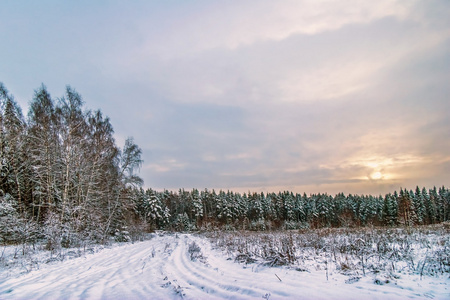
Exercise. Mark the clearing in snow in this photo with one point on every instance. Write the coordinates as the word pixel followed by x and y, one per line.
pixel 174 266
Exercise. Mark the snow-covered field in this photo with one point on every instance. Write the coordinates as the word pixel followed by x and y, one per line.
pixel 186 266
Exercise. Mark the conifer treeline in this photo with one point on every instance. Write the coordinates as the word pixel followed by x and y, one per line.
pixel 61 174
pixel 285 210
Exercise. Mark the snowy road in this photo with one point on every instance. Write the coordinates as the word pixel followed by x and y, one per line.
pixel 162 268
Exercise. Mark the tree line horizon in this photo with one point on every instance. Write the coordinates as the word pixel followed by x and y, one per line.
pixel 64 179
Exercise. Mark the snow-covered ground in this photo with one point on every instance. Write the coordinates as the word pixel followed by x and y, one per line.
pixel 173 266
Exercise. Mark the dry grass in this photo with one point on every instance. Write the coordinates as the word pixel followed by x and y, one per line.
pixel 421 250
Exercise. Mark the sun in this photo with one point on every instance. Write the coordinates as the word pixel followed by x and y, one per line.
pixel 376 175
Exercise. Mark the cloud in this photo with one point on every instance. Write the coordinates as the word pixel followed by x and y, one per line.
pixel 314 96
pixel 205 26
pixel 299 68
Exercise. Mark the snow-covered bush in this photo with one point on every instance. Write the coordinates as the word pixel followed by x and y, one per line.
pixel 289 225
pixel 13 227
pixel 122 235
pixel 182 223
pixel 9 220
pixel 53 232
pixel 259 225
pixel 229 227
pixel 194 251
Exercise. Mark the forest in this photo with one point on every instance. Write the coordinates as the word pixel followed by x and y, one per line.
pixel 64 180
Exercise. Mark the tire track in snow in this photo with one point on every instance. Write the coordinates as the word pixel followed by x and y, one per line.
pixel 118 273
pixel 157 269
pixel 203 280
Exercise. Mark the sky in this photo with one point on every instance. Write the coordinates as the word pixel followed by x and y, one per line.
pixel 260 96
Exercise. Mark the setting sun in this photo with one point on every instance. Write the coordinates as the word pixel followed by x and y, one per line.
pixel 376 175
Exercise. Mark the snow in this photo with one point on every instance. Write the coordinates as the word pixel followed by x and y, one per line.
pixel 171 266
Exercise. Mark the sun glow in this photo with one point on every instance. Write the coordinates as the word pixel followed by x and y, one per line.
pixel 376 176
pixel 378 168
